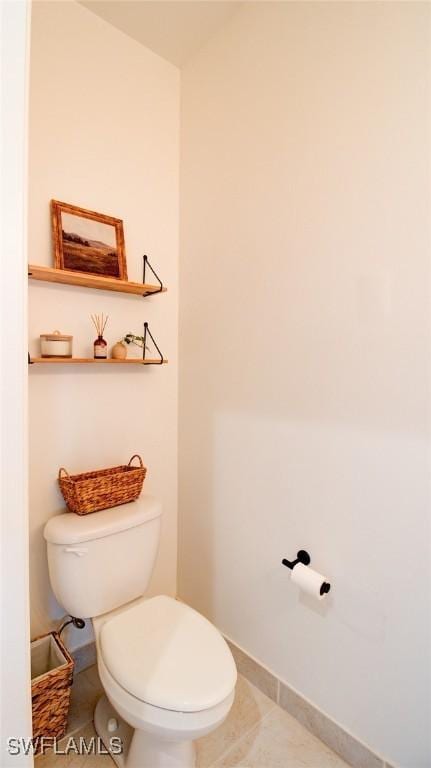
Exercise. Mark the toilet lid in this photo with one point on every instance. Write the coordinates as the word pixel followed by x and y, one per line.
pixel 168 655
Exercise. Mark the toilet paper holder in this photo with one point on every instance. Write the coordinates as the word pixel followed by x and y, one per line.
pixel 303 557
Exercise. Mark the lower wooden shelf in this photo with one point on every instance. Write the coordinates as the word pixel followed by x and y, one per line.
pixel 95 361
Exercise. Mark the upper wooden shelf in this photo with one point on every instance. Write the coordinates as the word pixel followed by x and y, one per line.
pixel 65 277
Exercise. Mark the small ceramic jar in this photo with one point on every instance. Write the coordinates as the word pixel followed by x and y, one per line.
pixel 55 344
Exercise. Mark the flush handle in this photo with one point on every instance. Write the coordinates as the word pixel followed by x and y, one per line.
pixel 77 552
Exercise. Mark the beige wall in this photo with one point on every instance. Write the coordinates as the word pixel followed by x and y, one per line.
pixel 104 128
pixel 304 353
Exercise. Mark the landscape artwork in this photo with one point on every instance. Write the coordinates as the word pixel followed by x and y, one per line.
pixel 88 242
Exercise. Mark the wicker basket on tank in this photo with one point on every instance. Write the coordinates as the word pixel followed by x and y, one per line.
pixel 104 488
pixel 52 677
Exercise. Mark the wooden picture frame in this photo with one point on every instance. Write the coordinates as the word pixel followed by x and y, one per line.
pixel 87 242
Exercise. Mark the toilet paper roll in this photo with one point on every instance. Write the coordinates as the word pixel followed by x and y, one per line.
pixel 308 580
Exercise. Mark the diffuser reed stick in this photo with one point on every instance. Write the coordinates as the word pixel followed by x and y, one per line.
pixel 99 322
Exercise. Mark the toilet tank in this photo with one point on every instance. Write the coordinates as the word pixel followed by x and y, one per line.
pixel 101 561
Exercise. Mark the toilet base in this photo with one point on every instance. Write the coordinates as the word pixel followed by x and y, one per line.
pixel 139 749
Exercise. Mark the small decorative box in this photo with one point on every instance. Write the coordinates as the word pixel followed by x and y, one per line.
pixel 55 344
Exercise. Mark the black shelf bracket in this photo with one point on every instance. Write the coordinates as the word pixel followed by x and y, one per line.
pixel 30 361
pixel 147 264
pixel 144 348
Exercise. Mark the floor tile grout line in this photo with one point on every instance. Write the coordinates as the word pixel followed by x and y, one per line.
pixel 84 723
pixel 242 737
pixel 79 727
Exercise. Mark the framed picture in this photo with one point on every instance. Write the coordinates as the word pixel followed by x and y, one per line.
pixel 89 242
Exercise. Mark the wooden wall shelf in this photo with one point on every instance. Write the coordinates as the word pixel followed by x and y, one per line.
pixel 66 277
pixel 93 361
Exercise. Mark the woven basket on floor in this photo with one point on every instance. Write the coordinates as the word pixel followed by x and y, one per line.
pixel 102 489
pixel 50 692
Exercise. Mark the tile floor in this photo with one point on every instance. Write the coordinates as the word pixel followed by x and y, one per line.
pixel 257 734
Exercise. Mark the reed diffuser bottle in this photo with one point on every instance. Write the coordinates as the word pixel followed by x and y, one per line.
pixel 100 345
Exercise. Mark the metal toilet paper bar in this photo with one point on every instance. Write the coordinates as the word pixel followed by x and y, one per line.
pixel 303 557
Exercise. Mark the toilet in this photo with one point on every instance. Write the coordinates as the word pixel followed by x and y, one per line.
pixel 168 674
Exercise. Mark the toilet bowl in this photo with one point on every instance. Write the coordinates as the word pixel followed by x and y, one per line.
pixel 168 674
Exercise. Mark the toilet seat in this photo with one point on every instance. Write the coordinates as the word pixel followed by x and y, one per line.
pixel 165 654
pixel 163 723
